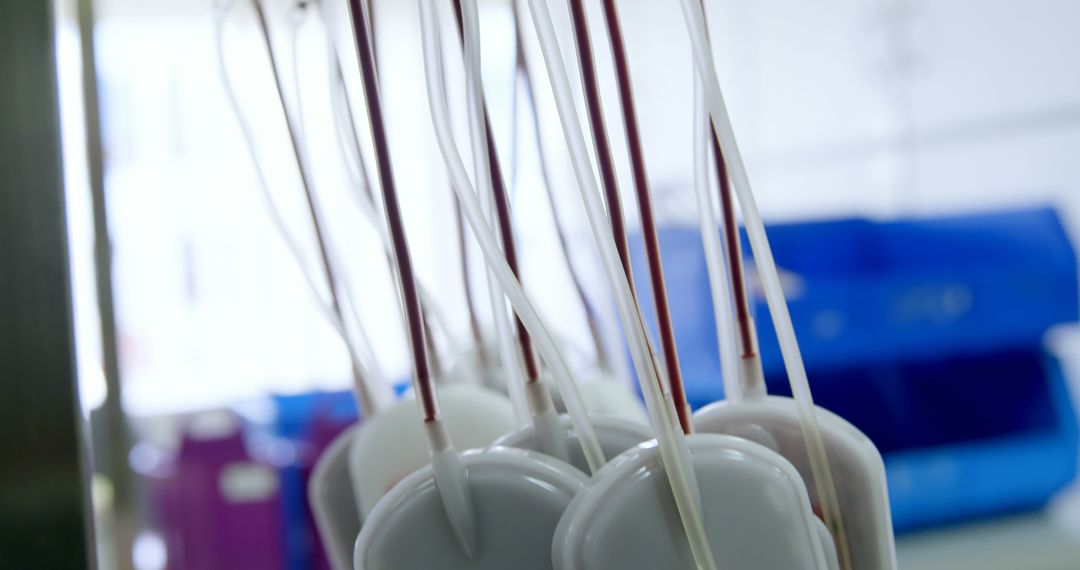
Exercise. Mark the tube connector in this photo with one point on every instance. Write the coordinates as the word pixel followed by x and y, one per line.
pixel 452 483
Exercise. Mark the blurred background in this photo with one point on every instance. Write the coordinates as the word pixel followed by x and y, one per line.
pixel 916 162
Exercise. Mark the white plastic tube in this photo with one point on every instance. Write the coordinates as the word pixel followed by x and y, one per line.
pixel 512 364
pixel 670 439
pixel 720 287
pixel 359 352
pixel 438 319
pixel 546 344
pixel 770 277
pixel 355 171
pixel 376 374
pixel 508 353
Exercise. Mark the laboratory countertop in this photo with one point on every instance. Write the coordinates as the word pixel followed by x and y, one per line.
pixel 1047 540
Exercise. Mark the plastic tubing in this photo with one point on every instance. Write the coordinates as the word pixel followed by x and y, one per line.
pixel 723 311
pixel 601 344
pixel 364 378
pixel 670 438
pixel 513 367
pixel 357 172
pixel 770 277
pixel 548 431
pixel 546 344
pixel 649 234
pixel 508 352
pixel 376 375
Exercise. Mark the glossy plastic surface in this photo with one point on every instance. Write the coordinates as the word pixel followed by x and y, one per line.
pixel 605 396
pixel 856 464
pixel 518 499
pixel 616 436
pixel 756 511
pixel 333 503
pixel 391 445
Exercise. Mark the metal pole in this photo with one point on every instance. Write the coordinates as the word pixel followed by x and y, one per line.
pixel 113 455
pixel 45 513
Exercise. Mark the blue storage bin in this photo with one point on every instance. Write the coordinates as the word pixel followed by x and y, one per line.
pixel 294 413
pixel 298 441
pixel 962 437
pixel 295 434
pixel 862 292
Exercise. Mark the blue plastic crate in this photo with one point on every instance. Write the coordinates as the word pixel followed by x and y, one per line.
pixel 294 428
pixel 294 413
pixel 862 292
pixel 962 437
pixel 298 430
pixel 1030 456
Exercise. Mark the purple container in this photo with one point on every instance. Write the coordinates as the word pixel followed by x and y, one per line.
pixel 219 507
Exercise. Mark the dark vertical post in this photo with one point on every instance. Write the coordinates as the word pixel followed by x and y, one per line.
pixel 113 442
pixel 115 426
pixel 45 516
